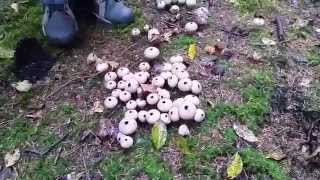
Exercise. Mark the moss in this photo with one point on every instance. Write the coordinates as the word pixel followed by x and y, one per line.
pixel 254 6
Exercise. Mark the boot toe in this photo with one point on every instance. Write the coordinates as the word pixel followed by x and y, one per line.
pixel 121 15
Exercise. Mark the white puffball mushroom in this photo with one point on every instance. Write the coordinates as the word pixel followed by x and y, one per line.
pixel 166 67
pixel 163 93
pixel 121 84
pixel 173 81
pixel 182 74
pixel 164 105
pixel 176 59
pixel 139 92
pixel 125 141
pixel 161 4
pixel 187 110
pixel 131 105
pixel 125 96
pixel 164 117
pixel 144 66
pixel 158 81
pixel 193 99
pixel 131 114
pixel 191 3
pixel 177 67
pixel 128 76
pixel 141 77
pixel 122 71
pixel 174 114
pixel 196 87
pixel 153 116
pixel 168 2
pixel 132 86
pixel 110 102
pixel 152 98
pixel 128 126
pixel 183 130
pixel 191 27
pixel 181 1
pixel 174 9
pixel 91 58
pixel 185 85
pixel 166 75
pixel 101 67
pixel 178 102
pixel 110 76
pixel 154 32
pixel 135 32
pixel 146 27
pixel 141 103
pixel 142 116
pixel 258 21
pixel 200 115
pixel 116 93
pixel 151 53
pixel 110 85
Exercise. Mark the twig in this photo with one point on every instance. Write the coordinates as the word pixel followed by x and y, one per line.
pixel 55 144
pixel 58 156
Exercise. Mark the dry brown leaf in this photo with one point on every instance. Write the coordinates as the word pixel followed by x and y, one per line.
pixel 11 158
pixel 97 108
pixel 277 155
pixel 244 132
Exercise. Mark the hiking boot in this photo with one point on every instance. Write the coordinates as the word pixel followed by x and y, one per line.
pixel 59 23
pixel 113 12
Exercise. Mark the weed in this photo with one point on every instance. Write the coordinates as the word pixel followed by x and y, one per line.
pixel 254 6
pixel 314 55
pixel 184 41
pixel 229 136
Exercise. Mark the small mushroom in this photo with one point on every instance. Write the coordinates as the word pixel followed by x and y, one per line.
pixel 152 98
pixel 91 58
pixel 146 27
pixel 200 115
pixel 184 85
pixel 125 96
pixel 183 130
pixel 153 116
pixel 173 81
pixel 110 85
pixel 177 67
pixel 166 75
pixel 151 53
pixel 102 66
pixel 191 3
pixel 196 87
pixel 131 105
pixel 135 32
pixel 132 86
pixel 174 114
pixel 141 77
pixel 131 114
pixel 182 74
pixel 124 140
pixel 139 92
pixel 122 71
pixel 258 21
pixel 116 93
pixel 191 27
pixel 110 76
pixel 164 105
pixel 158 81
pixel 110 102
pixel 187 110
pixel 154 33
pixel 141 103
pixel 176 59
pixel 163 93
pixel 164 117
pixel 144 66
pixel 161 4
pixel 166 67
pixel 128 126
pixel 128 77
pixel 142 116
pixel 121 84
pixel 174 9
pixel 193 99
pixel 178 102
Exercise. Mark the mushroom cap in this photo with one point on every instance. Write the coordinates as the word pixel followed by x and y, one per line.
pixel 166 75
pixel 167 2
pixel 135 32
pixel 193 99
pixel 151 53
pixel 191 27
pixel 164 105
pixel 128 76
pixel 141 77
pixel 187 111
pixel 132 104
pixel 185 85
pixel 121 84
pixel 191 3
pixel 178 102
pixel 139 92
pixel 176 67
pixel 152 98
pixel 125 96
pixel 173 81
pixel 128 126
pixel 182 74
pixel 91 58
pixel 110 76
pixel 101 67
pixel 131 114
pixel 110 85
pixel 176 59
pixel 200 115
pixel 153 116
pixel 122 71
pixel 166 67
pixel 174 114
pixel 124 140
pixel 158 81
pixel 144 66
pixel 142 116
pixel 196 87
pixel 164 117
pixel 174 9
pixel 183 130
pixel 116 93
pixel 110 102
pixel 161 4
pixel 141 103
pixel 132 86
pixel 163 93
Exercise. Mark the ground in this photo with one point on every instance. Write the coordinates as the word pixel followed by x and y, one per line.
pixel 276 96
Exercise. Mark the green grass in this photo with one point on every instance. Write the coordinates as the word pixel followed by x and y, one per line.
pixel 257 34
pixel 314 55
pixel 249 7
pixel 182 42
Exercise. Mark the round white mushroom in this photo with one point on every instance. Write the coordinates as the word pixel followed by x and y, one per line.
pixel 191 27
pixel 173 81
pixel 174 9
pixel 110 85
pixel 132 104
pixel 141 103
pixel 128 126
pixel 131 114
pixel 184 85
pixel 139 92
pixel 176 59
pixel 144 66
pixel 161 4
pixel 191 3
pixel 174 114
pixel 166 75
pixel 125 96
pixel 151 53
pixel 141 77
pixel 187 111
pixel 176 67
pixel 122 71
pixel 121 84
pixel 163 93
pixel 110 76
pixel 164 105
pixel 152 98
pixel 110 102
pixel 153 116
pixel 196 87
pixel 166 67
pixel 193 99
pixel 142 116
pixel 132 86
pixel 128 76
pixel 178 102
pixel 168 2
pixel 183 130
pixel 158 81
pixel 116 93
pixel 91 58
pixel 200 115
pixel 164 117
pixel 135 32
pixel 101 67
pixel 124 141
pixel 182 74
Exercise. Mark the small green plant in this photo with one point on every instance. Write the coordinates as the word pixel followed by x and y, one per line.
pixel 257 34
pixel 184 41
pixel 229 136
pixel 314 55
pixel 253 6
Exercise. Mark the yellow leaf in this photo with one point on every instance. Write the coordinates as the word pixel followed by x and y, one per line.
pixel 192 51
pixel 159 135
pixel 235 167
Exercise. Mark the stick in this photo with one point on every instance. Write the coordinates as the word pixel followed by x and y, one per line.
pixel 58 156
pixel 280 30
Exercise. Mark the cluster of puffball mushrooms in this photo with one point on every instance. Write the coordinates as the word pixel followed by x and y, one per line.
pixel 156 105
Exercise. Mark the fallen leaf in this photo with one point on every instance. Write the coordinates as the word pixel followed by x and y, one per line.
pixel 235 167
pixel 268 42
pixel 97 108
pixel 192 51
pixel 11 158
pixel 159 135
pixel 276 155
pixel 22 86
pixel 244 132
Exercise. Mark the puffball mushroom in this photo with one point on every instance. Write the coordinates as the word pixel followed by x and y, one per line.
pixel 121 84
pixel 177 67
pixel 161 4
pixel 132 86
pixel 131 105
pixel 151 53
pixel 196 87
pixel 142 116
pixel 183 130
pixel 177 102
pixel 91 58
pixel 110 76
pixel 124 140
pixel 116 93
pixel 164 105
pixel 187 110
pixel 146 28
pixel 135 32
pixel 110 85
pixel 182 74
pixel 166 75
pixel 258 21
pixel 166 67
pixel 128 76
pixel 191 27
pixel 185 85
pixel 176 59
pixel 173 81
pixel 199 116
pixel 131 114
pixel 128 126
pixel 125 96
pixel 201 15
pixel 153 116
pixel 191 3
pixel 152 98
pixel 158 81
pixel 122 71
pixel 164 117
pixel 144 66
pixel 163 93
pixel 141 77
pixel 192 98
pixel 154 32
pixel 168 2
pixel 174 9
pixel 141 103
pixel 174 114
pixel 101 67
pixel 110 102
